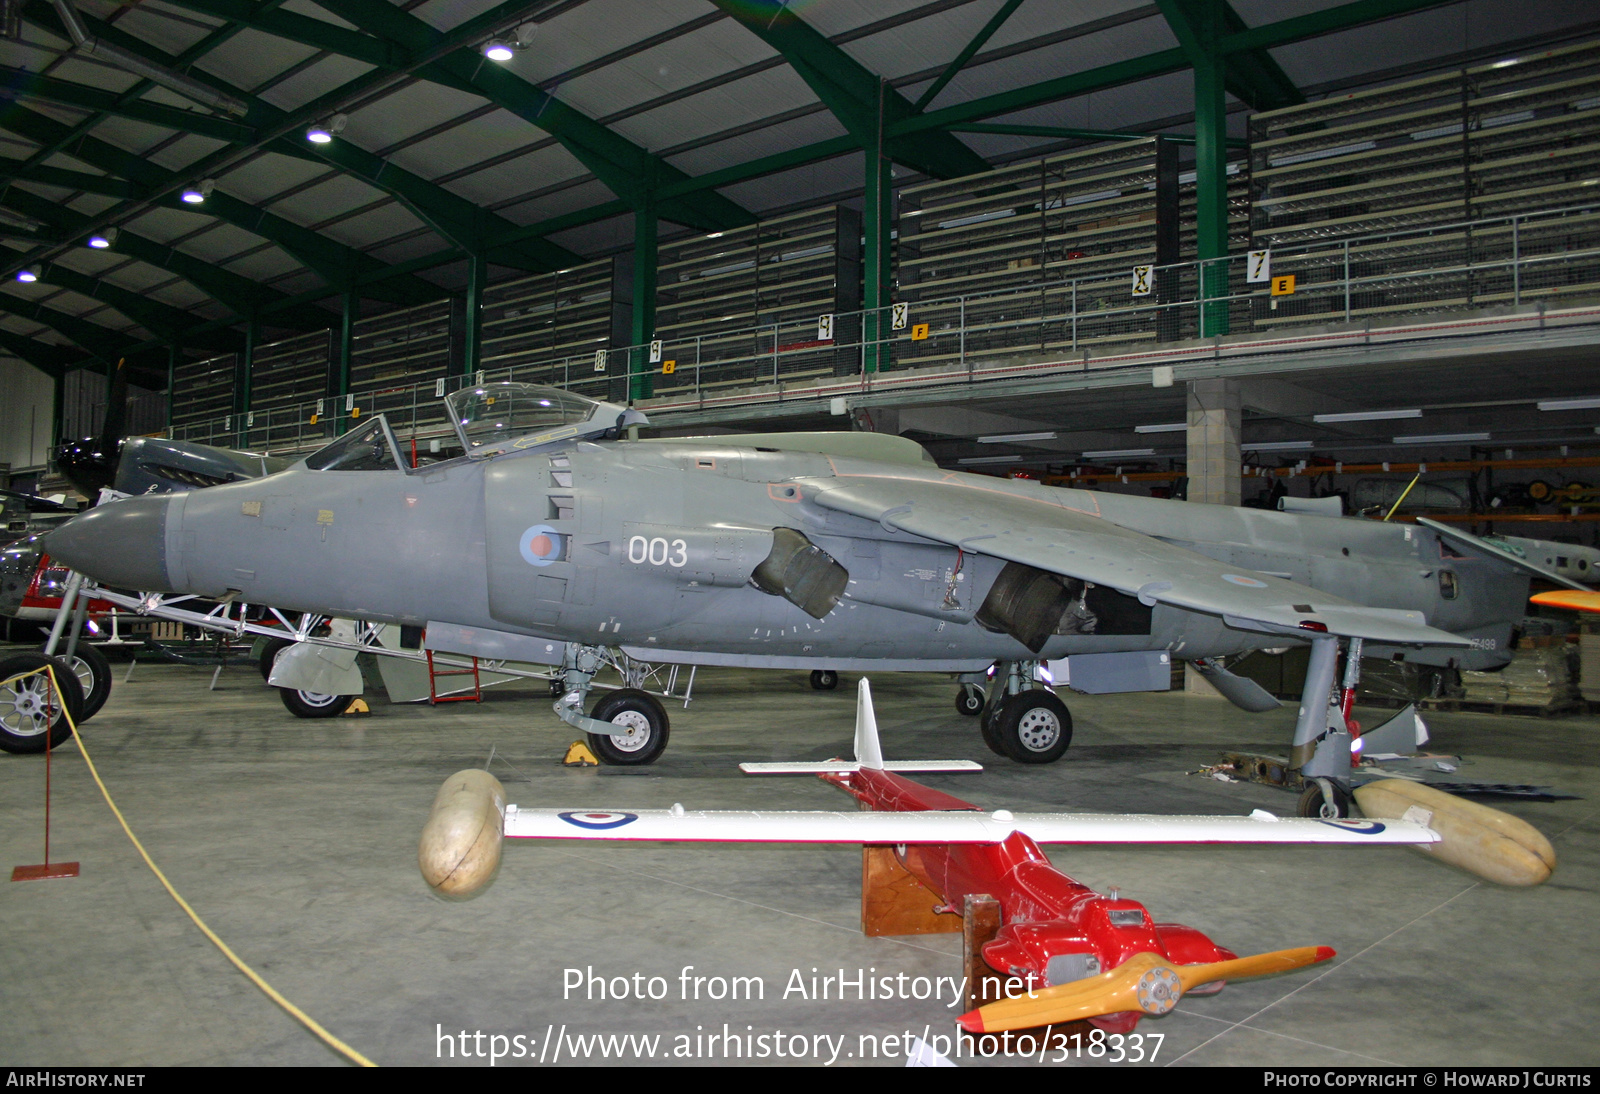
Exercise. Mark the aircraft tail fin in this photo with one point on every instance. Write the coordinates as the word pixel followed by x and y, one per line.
pixel 869 753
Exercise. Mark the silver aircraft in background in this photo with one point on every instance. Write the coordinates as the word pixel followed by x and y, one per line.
pixel 553 538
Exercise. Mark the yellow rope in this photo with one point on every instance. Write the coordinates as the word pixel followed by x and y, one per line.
pixel 271 993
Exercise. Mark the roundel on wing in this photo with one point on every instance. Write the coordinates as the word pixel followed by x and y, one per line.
pixel 540 545
pixel 1247 582
pixel 597 820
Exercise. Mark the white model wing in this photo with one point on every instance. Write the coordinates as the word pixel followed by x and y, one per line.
pixel 947 827
pixel 1036 530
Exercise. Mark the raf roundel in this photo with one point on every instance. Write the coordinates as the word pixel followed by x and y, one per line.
pixel 540 545
pixel 598 821
pixel 1247 582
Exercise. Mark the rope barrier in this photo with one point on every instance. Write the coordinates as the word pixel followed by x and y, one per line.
pixel 267 989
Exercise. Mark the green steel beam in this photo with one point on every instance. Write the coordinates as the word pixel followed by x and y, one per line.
pixel 616 161
pixel 162 320
pixel 240 294
pixel 641 374
pixel 53 361
pixel 472 355
pixel 1204 23
pixel 861 102
pixel 101 342
pixel 454 218
pixel 877 286
pixel 1251 76
pixel 334 261
pixel 1069 133
pixel 1130 71
pixel 1322 22
pixel 22 84
pixel 108 185
pixel 966 54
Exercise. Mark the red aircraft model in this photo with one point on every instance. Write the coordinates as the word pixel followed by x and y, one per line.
pixel 1081 955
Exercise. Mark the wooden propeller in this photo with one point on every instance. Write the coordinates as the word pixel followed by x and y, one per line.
pixel 1146 982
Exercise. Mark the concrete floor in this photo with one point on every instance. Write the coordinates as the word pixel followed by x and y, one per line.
pixel 296 840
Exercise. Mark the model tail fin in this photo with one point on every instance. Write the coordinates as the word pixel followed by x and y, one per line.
pixel 869 753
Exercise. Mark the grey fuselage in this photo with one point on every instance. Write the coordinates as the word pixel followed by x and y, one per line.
pixel 651 545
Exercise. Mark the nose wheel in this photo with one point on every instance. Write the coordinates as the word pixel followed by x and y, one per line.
pixel 642 728
pixel 33 715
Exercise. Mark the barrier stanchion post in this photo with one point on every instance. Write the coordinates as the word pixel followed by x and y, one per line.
pixel 46 869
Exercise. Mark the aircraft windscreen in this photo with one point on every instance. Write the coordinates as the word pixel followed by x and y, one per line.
pixel 363 449
pixel 491 413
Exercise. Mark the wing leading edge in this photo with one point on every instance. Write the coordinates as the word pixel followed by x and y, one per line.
pixel 1043 533
pixel 947 827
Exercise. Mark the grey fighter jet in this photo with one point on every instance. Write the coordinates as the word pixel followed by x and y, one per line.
pixel 553 537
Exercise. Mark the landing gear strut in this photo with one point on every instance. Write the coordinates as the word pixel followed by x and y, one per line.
pixel 628 726
pixel 1023 723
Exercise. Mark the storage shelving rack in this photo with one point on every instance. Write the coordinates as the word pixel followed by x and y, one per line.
pixel 1374 198
pixel 1072 226
pixel 743 304
pixel 395 358
pixel 545 329
pixel 285 377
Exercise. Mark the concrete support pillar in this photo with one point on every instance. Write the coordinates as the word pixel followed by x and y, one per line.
pixel 1214 466
pixel 1214 462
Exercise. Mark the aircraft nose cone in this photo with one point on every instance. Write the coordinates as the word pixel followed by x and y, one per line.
pixel 120 543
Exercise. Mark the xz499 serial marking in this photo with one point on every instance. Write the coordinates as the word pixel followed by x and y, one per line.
pixel 657 551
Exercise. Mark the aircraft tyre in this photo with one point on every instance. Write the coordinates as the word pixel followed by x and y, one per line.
pixel 314 704
pixel 94 677
pixel 1314 805
pixel 644 724
pixel 986 726
pixel 269 654
pixel 1034 727
pixel 824 679
pixel 970 701
pixel 28 721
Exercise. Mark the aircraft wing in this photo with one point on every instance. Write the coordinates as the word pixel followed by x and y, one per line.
pixel 966 826
pixel 1043 533
pixel 1476 544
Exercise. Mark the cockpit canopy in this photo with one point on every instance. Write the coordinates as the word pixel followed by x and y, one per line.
pixel 491 417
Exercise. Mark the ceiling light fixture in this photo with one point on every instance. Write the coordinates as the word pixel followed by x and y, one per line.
pixel 1118 453
pixel 1441 438
pixel 194 195
pixel 1366 416
pixel 324 132
pixel 503 49
pixel 1011 438
pixel 105 240
pixel 1163 427
pixel 28 274
pixel 1569 404
pixel 1277 446
pixel 992 459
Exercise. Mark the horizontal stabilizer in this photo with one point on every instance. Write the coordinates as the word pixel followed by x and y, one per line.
pixel 1478 545
pixel 830 767
pixel 940 826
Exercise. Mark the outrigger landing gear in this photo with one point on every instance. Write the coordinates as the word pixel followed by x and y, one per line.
pixel 1021 722
pixel 628 726
pixel 1320 753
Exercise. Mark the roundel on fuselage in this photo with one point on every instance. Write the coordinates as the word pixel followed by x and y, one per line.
pixel 540 545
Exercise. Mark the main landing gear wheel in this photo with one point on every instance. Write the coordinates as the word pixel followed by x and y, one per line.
pixel 970 701
pixel 30 716
pixel 986 727
pixel 269 654
pixel 642 728
pixel 824 679
pixel 314 704
pixel 93 671
pixel 1033 727
pixel 1314 804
